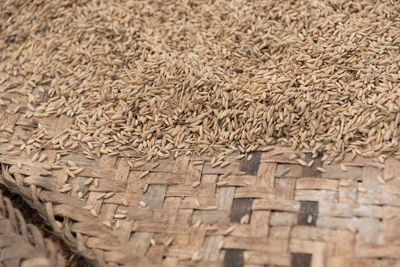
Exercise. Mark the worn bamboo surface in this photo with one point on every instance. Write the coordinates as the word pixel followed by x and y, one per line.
pixel 267 208
pixel 22 244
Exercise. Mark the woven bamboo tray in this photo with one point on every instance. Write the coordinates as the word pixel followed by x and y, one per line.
pixel 270 209
pixel 22 244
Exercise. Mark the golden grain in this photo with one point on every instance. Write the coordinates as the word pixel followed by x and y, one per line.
pixel 65 189
pixel 217 163
pixel 56 166
pixel 351 228
pixel 138 164
pixel 69 173
pixel 388 178
pixel 226 174
pixel 240 157
pixel 229 230
pixel 222 183
pixel 119 216
pixel 106 223
pixel 343 167
pixel 302 162
pixel 88 181
pixel 380 179
pixel 35 157
pixel 361 189
pixel 245 219
pixel 204 90
pixel 196 184
pixel 143 174
pixel 43 158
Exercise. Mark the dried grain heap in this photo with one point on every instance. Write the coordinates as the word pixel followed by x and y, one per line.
pixel 164 76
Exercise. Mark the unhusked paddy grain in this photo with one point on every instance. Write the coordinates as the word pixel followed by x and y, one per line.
pixel 159 77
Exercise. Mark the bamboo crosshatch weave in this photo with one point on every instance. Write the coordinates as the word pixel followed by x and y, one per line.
pixel 86 86
pixel 22 244
pixel 272 211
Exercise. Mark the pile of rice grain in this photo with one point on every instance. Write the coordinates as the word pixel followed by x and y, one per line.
pixel 165 76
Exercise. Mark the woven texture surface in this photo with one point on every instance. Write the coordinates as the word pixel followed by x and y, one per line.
pixel 270 209
pixel 90 90
pixel 22 244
